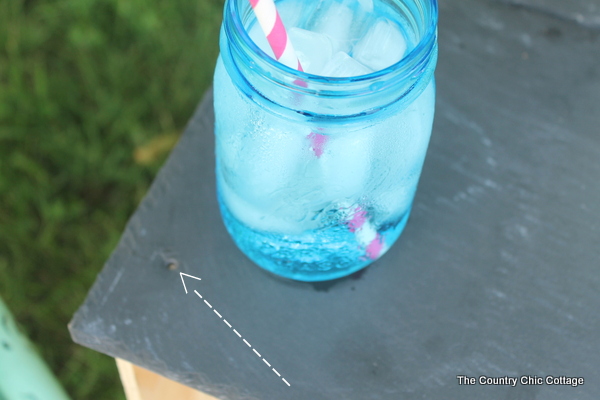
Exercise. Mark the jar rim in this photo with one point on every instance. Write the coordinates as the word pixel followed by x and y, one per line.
pixel 408 62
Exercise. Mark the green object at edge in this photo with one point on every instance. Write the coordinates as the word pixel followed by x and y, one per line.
pixel 23 374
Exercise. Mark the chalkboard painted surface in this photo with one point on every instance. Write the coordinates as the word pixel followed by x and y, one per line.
pixel 497 273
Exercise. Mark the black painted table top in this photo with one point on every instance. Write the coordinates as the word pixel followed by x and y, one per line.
pixel 496 273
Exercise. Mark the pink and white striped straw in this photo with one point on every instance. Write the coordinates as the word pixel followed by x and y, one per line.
pixel 279 41
pixel 366 234
pixel 272 25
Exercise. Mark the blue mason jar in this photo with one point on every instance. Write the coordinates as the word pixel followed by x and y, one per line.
pixel 316 175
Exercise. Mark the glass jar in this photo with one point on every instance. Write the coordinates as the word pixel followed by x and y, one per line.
pixel 316 175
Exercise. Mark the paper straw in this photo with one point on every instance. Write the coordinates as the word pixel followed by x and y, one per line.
pixel 365 233
pixel 271 24
pixel 279 41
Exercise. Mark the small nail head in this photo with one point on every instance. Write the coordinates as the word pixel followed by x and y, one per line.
pixel 172 265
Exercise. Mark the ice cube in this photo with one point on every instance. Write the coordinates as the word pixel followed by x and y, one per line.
pixel 342 65
pixel 335 21
pixel 367 5
pixel 313 49
pixel 345 165
pixel 274 155
pixel 292 13
pixel 268 176
pixel 268 217
pixel 394 200
pixel 382 46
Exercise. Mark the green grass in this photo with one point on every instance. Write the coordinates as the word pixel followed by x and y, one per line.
pixel 92 92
